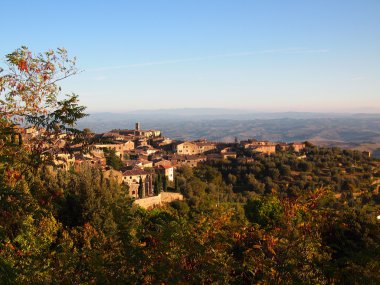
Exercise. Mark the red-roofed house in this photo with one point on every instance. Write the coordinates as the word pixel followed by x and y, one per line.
pixel 167 170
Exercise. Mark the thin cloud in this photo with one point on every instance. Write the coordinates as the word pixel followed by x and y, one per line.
pixel 227 55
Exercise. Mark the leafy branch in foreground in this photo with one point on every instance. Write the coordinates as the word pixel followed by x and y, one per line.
pixel 30 97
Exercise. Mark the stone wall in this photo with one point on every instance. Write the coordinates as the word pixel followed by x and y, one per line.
pixel 167 197
pixel 155 201
pixel 149 202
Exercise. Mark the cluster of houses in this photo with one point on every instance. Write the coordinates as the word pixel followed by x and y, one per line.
pixel 267 147
pixel 145 154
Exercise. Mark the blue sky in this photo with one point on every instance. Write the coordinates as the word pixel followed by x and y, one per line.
pixel 272 55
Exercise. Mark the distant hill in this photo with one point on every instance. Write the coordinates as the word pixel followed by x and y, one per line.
pixel 350 130
pixel 232 114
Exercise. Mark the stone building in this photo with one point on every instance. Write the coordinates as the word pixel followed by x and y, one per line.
pixel 132 179
pixel 188 160
pixel 195 147
pixel 265 149
pixel 251 143
pixel 118 147
pixel 137 132
pixel 297 146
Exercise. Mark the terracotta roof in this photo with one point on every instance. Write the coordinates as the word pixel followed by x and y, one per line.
pixel 204 143
pixel 134 172
pixel 163 162
pixel 187 157
pixel 163 166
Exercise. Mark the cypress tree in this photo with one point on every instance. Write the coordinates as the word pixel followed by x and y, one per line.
pixel 176 185
pixel 164 183
pixel 141 188
pixel 159 183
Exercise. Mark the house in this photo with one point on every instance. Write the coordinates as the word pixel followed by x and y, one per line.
pixel 228 152
pixel 251 143
pixel 148 149
pixel 265 149
pixel 195 147
pixel 187 148
pixel 188 160
pixel 88 160
pixel 297 146
pixel 282 146
pixel 163 162
pixel 167 171
pixel 141 141
pixel 140 153
pixel 119 147
pixel 204 146
pixel 161 142
pixel 145 163
pixel 138 163
pixel 133 177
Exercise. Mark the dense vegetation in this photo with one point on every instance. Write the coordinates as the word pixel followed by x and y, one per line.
pixel 345 172
pixel 76 227
pixel 267 219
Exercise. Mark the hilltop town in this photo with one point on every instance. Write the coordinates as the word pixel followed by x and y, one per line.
pixel 145 160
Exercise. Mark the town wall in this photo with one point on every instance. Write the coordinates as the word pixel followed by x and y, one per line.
pixel 163 197
pixel 167 197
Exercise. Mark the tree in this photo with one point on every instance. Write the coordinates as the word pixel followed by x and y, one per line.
pixel 231 179
pixel 304 166
pixel 31 97
pixel 87 133
pixel 158 183
pixel 264 211
pixel 113 160
pixel 164 183
pixel 176 185
pixel 141 189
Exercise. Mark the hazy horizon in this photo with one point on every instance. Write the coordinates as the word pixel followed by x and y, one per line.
pixel 369 111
